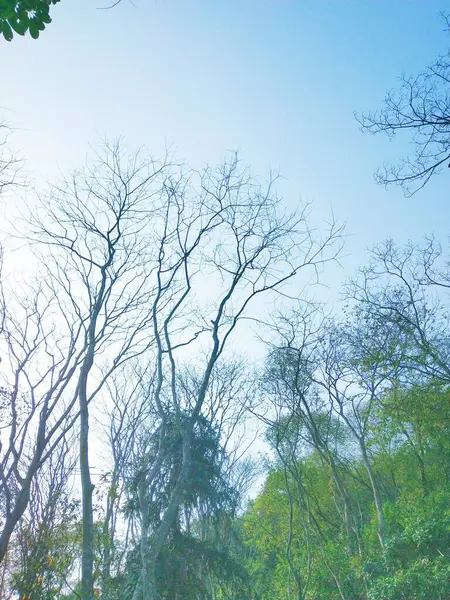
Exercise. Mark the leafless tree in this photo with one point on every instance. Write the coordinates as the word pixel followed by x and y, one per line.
pixel 126 409
pixel 95 234
pixel 147 263
pixel 420 107
pixel 403 292
pixel 222 245
pixel 9 161
pixel 38 398
pixel 43 539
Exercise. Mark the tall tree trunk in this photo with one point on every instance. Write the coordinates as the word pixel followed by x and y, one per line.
pixel 145 586
pixel 108 537
pixel 87 558
pixel 327 455
pixel 151 548
pixel 418 453
pixel 375 492
pixel 12 520
pixel 23 497
pixel 87 488
pixel 288 552
pixel 152 592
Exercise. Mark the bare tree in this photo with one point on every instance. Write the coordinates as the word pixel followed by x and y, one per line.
pixel 126 410
pixel 403 292
pixel 226 233
pixel 44 539
pixel 420 107
pixel 39 360
pixel 139 262
pixel 95 229
pixel 9 161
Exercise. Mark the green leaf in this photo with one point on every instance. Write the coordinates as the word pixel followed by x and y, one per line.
pixel 7 12
pixel 7 31
pixel 15 16
pixel 45 18
pixel 34 30
pixel 20 25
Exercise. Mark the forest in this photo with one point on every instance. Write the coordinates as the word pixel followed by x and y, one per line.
pixel 183 417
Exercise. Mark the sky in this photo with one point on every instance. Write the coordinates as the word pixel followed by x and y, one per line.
pixel 277 79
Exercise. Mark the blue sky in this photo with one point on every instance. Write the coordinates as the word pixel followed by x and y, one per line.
pixel 278 79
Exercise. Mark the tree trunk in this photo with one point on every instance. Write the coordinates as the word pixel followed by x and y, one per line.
pixel 418 453
pixel 327 455
pixel 23 497
pixel 87 488
pixel 12 520
pixel 151 549
pixel 375 492
pixel 145 585
pixel 108 535
pixel 87 559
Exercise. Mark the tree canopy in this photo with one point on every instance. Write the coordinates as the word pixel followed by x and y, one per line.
pixel 24 16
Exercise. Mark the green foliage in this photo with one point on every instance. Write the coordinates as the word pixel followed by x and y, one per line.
pixel 206 486
pixel 195 557
pixel 418 551
pixel 49 559
pixel 188 567
pixel 414 563
pixel 22 16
